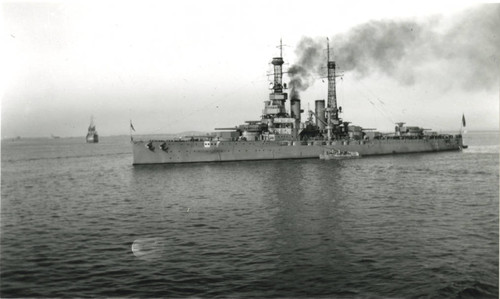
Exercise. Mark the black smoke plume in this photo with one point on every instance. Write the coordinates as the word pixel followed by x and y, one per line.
pixel 308 65
pixel 464 52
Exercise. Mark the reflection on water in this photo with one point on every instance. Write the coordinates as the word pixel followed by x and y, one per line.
pixel 148 248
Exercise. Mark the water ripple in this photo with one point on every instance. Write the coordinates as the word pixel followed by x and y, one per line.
pixel 80 224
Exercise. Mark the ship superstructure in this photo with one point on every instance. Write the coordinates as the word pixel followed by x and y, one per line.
pixel 280 133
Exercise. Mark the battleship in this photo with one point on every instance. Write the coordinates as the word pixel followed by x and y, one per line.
pixel 281 134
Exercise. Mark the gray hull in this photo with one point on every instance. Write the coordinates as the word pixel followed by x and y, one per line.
pixel 165 152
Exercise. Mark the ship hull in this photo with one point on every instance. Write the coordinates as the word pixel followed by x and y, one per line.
pixel 169 152
pixel 92 139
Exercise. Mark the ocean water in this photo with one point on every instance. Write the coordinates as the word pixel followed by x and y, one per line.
pixel 78 220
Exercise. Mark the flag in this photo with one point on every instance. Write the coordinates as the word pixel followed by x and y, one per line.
pixel 463 120
pixel 132 126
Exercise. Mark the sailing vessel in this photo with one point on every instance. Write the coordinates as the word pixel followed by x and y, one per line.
pixel 92 136
pixel 280 133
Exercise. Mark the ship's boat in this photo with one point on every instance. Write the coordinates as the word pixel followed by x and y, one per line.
pixel 281 134
pixel 92 136
pixel 334 154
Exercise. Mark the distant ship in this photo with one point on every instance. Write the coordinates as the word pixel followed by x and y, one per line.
pixel 280 134
pixel 54 137
pixel 92 136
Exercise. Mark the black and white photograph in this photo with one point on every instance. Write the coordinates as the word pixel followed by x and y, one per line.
pixel 249 149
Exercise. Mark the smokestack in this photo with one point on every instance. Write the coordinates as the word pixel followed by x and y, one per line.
pixel 295 113
pixel 295 108
pixel 320 114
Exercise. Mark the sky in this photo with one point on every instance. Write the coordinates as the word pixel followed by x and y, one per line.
pixel 176 66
